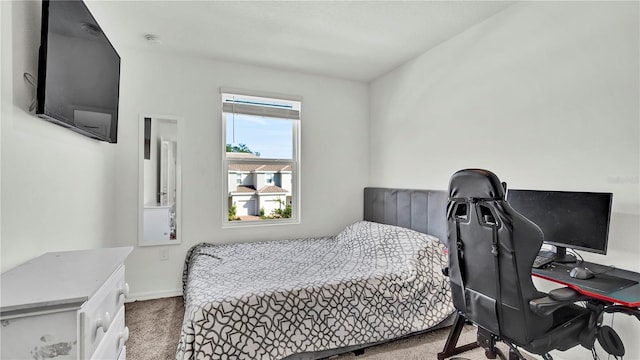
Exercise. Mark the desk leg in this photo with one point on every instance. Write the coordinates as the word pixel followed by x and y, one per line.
pixel 450 348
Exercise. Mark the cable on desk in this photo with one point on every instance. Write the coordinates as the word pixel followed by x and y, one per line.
pixel 572 251
pixel 609 269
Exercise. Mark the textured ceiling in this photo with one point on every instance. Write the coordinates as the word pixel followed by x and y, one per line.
pixel 357 40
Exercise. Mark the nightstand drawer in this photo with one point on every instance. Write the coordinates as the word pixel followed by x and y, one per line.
pixel 112 343
pixel 98 314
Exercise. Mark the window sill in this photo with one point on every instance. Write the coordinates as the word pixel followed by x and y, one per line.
pixel 257 223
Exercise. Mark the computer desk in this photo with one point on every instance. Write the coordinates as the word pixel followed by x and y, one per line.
pixel 616 286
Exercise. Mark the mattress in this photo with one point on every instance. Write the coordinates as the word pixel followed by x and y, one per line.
pixel 268 300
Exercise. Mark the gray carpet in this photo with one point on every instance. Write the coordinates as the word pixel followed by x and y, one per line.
pixel 154 327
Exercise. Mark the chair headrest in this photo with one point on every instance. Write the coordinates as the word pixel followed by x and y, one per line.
pixel 475 184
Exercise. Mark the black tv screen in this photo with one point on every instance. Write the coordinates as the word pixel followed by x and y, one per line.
pixel 78 72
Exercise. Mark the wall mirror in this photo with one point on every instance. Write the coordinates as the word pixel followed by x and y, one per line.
pixel 159 173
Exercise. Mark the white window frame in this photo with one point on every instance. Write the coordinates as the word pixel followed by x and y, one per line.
pixel 294 162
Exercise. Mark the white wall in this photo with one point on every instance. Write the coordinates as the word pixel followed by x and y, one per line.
pixel 6 86
pixel 57 186
pixel 61 190
pixel 334 141
pixel 545 94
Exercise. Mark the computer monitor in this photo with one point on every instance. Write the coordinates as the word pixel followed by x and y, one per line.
pixel 568 219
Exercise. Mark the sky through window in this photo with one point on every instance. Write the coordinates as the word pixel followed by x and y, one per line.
pixel 270 137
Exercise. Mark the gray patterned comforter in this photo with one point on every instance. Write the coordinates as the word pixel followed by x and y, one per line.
pixel 267 300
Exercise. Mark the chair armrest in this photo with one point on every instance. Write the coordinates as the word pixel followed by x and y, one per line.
pixel 554 300
pixel 566 294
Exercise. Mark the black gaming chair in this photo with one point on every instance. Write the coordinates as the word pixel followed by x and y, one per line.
pixel 491 253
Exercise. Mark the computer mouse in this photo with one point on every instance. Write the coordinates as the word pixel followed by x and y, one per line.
pixel 581 273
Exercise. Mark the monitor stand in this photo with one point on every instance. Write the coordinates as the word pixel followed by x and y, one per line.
pixel 561 256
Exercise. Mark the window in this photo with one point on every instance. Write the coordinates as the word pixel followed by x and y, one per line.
pixel 260 159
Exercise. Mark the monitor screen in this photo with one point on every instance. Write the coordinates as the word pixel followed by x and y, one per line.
pixel 78 71
pixel 568 219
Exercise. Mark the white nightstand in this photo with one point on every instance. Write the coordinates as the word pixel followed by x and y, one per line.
pixel 65 305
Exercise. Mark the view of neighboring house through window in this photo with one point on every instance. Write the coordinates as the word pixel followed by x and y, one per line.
pixel 260 158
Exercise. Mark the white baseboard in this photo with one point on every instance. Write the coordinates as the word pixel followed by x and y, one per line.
pixel 153 295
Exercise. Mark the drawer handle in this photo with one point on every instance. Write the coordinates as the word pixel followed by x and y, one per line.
pixel 124 335
pixel 104 322
pixel 124 290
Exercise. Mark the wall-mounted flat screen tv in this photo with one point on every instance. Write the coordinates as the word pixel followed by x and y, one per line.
pixel 78 71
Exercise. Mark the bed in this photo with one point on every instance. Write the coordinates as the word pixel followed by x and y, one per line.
pixel 379 279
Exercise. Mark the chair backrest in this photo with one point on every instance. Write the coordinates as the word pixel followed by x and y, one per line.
pixel 491 253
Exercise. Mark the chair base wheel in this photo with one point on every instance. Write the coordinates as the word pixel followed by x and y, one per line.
pixel 490 354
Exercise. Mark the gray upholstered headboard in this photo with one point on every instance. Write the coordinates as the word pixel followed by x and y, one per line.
pixel 421 210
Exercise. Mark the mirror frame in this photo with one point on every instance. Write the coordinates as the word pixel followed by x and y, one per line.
pixel 178 204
